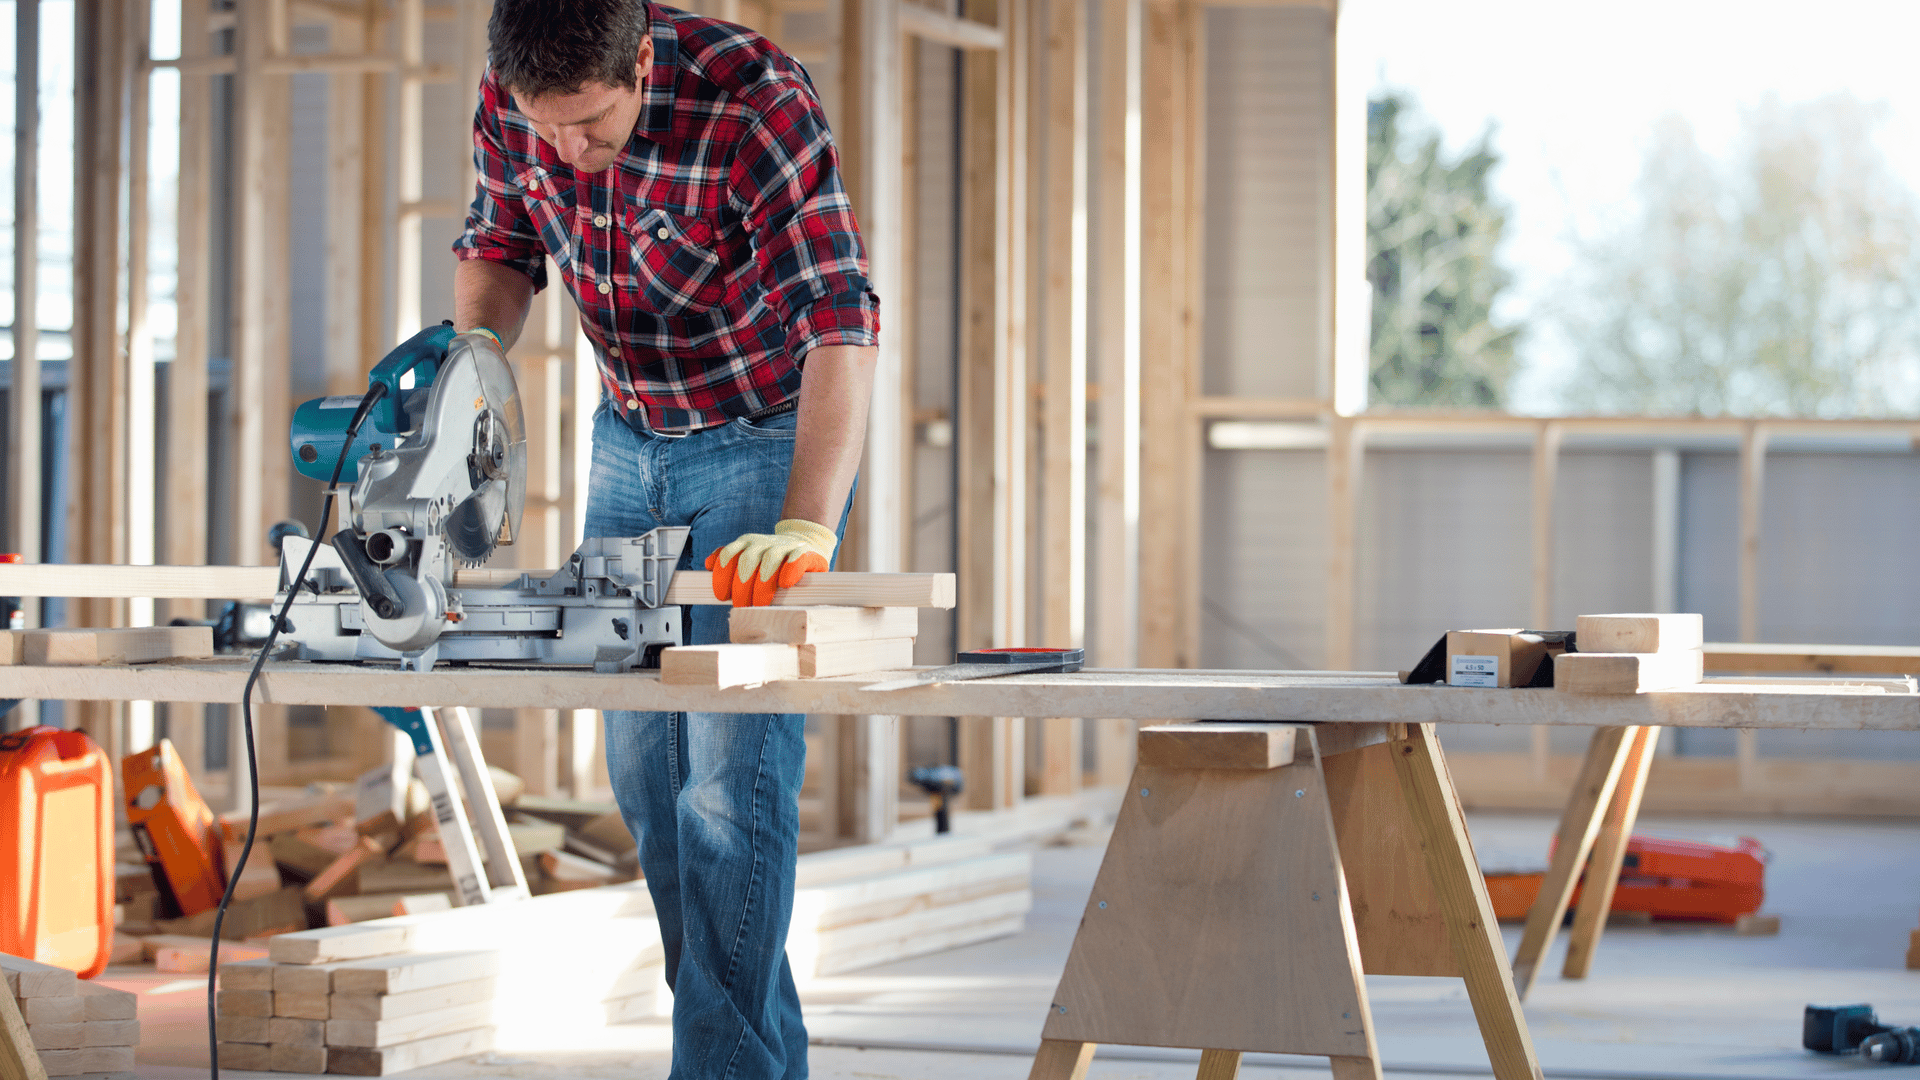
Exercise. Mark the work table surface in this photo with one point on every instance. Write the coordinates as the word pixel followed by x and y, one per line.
pixel 1370 697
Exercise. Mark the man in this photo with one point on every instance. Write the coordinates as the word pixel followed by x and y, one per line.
pixel 679 172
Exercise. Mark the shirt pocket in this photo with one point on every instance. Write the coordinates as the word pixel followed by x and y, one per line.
pixel 550 207
pixel 676 262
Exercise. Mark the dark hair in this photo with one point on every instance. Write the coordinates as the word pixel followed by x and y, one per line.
pixel 542 46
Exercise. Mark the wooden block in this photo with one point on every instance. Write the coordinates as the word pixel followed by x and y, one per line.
pixel 111 1033
pixel 192 960
pixel 815 625
pixel 296 1032
pixel 303 979
pixel 335 877
pixel 255 974
pixel 12 644
pixel 243 1002
pixel 1638 633
pixel 135 645
pixel 721 666
pixel 250 1057
pixel 561 866
pixel 241 1029
pixel 298 1006
pixel 274 912
pixel 333 943
pixel 830 658
pixel 413 1055
pixel 395 1006
pixel 1625 673
pixel 1217 746
pixel 87 1059
pixel 839 589
pixel 400 974
pixel 57 1036
pixel 30 979
pixel 379 1033
pixel 403 876
pixel 1757 925
pixel 291 814
pixel 296 1058
pixel 53 1010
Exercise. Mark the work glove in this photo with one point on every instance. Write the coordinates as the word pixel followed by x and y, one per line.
pixel 750 569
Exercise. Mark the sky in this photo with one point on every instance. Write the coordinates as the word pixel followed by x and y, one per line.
pixel 1572 91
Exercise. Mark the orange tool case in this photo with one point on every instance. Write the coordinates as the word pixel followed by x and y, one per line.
pixel 1667 879
pixel 56 835
pixel 174 827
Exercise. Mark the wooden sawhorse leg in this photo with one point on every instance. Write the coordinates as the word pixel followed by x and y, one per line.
pixel 1256 874
pixel 1609 854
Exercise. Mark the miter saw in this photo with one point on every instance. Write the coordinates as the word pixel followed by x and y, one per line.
pixel 438 484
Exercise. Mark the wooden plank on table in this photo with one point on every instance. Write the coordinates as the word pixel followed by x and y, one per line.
pixel 1812 659
pixel 1626 673
pixel 1462 893
pixel 159 582
pixel 830 658
pixel 722 666
pixel 399 974
pixel 1639 633
pixel 125 645
pixel 352 1061
pixel 1217 746
pixel 410 1003
pixel 815 625
pixel 373 1034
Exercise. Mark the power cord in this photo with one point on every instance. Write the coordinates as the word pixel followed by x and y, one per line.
pixel 373 395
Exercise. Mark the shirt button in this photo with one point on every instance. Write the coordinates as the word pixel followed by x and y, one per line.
pixel 605 287
pixel 615 351
pixel 633 403
pixel 599 221
pixel 661 232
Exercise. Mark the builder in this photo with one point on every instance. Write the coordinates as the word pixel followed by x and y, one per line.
pixel 679 172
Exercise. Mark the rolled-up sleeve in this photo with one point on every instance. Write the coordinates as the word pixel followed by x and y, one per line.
pixel 786 186
pixel 498 229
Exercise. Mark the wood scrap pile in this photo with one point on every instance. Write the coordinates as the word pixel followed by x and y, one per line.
pixel 78 1028
pixel 768 644
pixel 413 990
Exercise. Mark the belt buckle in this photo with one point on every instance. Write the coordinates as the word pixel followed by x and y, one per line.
pixel 644 428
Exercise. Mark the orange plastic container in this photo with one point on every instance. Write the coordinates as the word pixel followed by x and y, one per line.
pixel 175 829
pixel 56 837
pixel 1667 879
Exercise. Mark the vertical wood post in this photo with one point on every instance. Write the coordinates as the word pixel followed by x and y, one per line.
pixel 1546 475
pixel 23 432
pixel 1346 457
pixel 1753 479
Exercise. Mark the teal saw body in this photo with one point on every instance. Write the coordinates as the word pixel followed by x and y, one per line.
pixel 320 426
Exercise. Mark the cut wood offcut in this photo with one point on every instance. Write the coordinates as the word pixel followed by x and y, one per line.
pixel 1638 633
pixel 138 645
pixel 722 666
pixel 832 658
pixel 1626 673
pixel 816 625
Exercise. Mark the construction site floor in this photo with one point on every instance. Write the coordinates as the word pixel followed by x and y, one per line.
pixel 1668 1000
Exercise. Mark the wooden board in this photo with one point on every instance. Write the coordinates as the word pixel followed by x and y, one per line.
pixel 403 1029
pixel 251 1057
pixel 18 1060
pixel 107 1003
pixel 111 1033
pixel 30 978
pixel 400 974
pixel 242 1029
pixel 297 1031
pixel 815 625
pixel 831 658
pixel 412 1055
pixel 1217 746
pixel 307 1005
pixel 140 645
pixel 1195 849
pixel 721 666
pixel 255 974
pixel 244 1002
pixel 410 1003
pixel 88 1059
pixel 333 943
pixel 1812 659
pixel 1638 633
pixel 296 1058
pixel 50 1010
pixel 1626 673
pixel 1396 916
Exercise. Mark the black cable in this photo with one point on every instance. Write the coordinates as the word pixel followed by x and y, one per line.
pixel 374 393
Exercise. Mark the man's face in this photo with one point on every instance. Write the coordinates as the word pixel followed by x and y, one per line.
pixel 589 127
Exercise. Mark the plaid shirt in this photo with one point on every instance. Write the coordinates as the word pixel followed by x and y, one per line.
pixel 716 251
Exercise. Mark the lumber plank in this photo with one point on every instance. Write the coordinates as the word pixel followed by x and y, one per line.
pixel 1812 659
pixel 374 1034
pixel 31 979
pixel 399 974
pixel 1639 633
pixel 57 1036
pixel 53 1010
pixel 87 1059
pixel 123 645
pixel 254 974
pixel 295 1005
pixel 722 666
pixel 252 1057
pixel 1626 673
pixel 242 1029
pixel 1462 893
pixel 296 1058
pixel 107 1003
pixel 185 959
pixel 331 943
pixel 353 1061
pixel 293 814
pixel 111 1033
pixel 296 1031
pixel 819 625
pixel 1217 746
pixel 243 1002
pixel 335 876
pixel 829 658
pixel 917 943
pixel 410 1003
pixel 265 913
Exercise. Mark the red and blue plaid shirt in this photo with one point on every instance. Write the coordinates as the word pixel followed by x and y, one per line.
pixel 716 251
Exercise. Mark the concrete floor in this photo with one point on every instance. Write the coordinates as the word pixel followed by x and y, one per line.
pixel 1669 1001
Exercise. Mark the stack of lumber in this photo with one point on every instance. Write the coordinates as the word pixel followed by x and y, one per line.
pixel 1631 654
pixel 585 957
pixel 78 1028
pixel 768 644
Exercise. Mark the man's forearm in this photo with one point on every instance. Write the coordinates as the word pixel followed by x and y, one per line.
pixel 492 295
pixel 835 386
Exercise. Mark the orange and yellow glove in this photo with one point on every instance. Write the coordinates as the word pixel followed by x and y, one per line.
pixel 750 569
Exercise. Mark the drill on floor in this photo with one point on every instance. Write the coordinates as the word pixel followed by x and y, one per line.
pixel 1847 1029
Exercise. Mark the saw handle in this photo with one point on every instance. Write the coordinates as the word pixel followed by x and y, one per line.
pixel 425 350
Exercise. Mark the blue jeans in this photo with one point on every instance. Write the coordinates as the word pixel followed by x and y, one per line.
pixel 712 797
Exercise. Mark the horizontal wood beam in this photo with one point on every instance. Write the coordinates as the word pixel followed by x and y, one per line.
pixel 949 30
pixel 1747 657
pixel 338 63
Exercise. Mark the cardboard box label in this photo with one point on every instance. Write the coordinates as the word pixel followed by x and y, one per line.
pixel 1473 671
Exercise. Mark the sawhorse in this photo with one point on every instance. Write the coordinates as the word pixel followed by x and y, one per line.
pixel 446 764
pixel 1256 874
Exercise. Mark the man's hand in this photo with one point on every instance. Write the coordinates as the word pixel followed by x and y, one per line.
pixel 750 569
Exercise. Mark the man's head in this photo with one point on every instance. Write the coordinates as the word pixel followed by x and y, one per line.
pixel 577 70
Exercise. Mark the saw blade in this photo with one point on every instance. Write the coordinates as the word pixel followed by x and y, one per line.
pixel 472 528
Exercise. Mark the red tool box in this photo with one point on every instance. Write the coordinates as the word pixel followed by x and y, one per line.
pixel 1667 879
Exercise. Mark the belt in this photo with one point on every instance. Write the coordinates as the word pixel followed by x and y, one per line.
pixel 637 420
